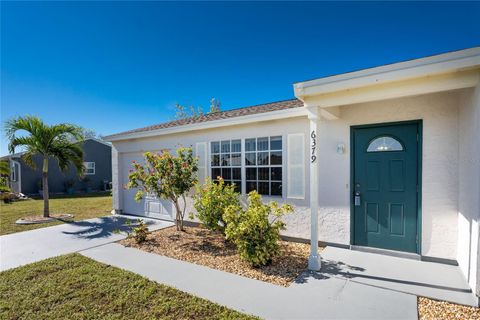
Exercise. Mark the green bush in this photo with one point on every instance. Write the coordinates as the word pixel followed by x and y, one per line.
pixel 251 230
pixel 6 194
pixel 210 201
pixel 3 182
pixel 140 232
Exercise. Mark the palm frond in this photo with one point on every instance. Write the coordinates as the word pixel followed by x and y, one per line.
pixel 67 153
pixel 27 157
pixel 60 141
pixel 30 124
pixel 67 131
pixel 4 168
pixel 29 142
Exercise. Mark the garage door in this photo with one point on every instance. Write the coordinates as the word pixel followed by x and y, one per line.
pixel 150 206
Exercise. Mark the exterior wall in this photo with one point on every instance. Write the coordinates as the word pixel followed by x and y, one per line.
pixel 93 152
pixel 469 187
pixel 439 113
pixel 439 172
pixel 298 223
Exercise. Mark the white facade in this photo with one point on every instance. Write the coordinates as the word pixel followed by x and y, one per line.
pixel 442 91
pixel 468 254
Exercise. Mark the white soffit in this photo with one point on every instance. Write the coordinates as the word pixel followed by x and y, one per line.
pixel 463 60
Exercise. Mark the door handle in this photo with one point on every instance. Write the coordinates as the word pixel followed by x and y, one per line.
pixel 357 199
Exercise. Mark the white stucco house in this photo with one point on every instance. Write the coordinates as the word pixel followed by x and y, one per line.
pixel 384 159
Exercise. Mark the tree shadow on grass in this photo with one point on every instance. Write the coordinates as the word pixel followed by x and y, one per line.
pixel 104 227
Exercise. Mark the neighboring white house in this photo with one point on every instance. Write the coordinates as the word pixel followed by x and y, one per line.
pixel 386 158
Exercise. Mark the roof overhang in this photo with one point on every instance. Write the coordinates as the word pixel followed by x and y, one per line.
pixel 449 71
pixel 258 117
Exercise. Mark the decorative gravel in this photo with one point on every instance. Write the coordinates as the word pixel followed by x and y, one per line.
pixel 203 247
pixel 429 309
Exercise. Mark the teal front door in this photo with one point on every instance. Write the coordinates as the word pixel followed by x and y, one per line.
pixel 385 184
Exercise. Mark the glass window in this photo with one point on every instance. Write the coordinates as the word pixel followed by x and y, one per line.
pixel 226 161
pixel 263 161
pixel 215 147
pixel 89 168
pixel 385 143
pixel 250 145
pixel 13 173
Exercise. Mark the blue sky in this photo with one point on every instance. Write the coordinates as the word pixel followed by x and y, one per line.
pixel 117 66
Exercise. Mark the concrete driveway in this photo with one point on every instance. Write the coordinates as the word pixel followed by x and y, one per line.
pixel 30 246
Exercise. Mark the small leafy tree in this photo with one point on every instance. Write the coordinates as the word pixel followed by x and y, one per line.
pixel 211 200
pixel 182 112
pixel 167 177
pixel 214 106
pixel 251 230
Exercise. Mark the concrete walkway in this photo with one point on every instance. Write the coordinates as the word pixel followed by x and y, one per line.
pixel 428 279
pixel 313 296
pixel 351 284
pixel 30 246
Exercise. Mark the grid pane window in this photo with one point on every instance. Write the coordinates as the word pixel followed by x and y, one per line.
pixel 263 161
pixel 89 168
pixel 226 161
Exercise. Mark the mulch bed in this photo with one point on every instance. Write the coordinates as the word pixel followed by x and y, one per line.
pixel 203 247
pixel 429 309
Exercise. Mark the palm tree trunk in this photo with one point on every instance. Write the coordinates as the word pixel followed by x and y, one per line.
pixel 46 209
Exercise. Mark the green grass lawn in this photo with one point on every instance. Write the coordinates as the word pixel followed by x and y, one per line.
pixel 76 287
pixel 83 206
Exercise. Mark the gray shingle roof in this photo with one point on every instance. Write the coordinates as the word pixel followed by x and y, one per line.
pixel 261 108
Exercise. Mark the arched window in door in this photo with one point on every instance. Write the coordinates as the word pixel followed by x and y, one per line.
pixel 384 143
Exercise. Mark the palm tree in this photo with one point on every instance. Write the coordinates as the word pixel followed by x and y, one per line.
pixel 59 142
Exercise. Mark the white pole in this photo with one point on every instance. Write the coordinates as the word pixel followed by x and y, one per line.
pixel 314 263
pixel 117 188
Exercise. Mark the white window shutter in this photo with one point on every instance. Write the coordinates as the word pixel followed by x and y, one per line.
pixel 201 153
pixel 296 166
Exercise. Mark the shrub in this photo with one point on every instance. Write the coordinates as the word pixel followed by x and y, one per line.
pixel 255 236
pixel 6 194
pixel 140 232
pixel 211 200
pixel 69 183
pixel 3 181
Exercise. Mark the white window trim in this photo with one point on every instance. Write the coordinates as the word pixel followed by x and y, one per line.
pixel 210 167
pixel 87 168
pixel 244 167
pixel 15 173
pixel 268 165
